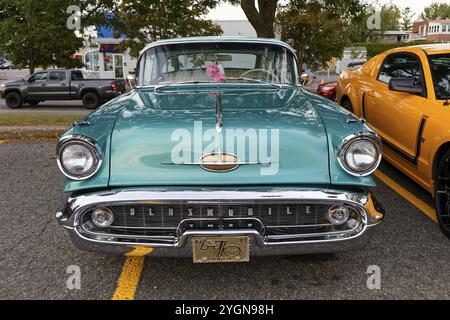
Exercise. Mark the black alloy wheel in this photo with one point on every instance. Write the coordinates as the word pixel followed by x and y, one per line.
pixel 443 194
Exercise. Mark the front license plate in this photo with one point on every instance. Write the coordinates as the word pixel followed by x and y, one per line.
pixel 221 249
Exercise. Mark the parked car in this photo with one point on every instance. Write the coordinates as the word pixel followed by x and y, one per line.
pixel 288 173
pixel 6 64
pixel 60 85
pixel 403 94
pixel 327 90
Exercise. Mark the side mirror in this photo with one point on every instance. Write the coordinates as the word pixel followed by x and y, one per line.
pixel 131 81
pixel 304 79
pixel 405 85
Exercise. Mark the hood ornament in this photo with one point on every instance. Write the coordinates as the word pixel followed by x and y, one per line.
pixel 219 114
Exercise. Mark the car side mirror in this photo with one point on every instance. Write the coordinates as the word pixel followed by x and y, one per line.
pixel 131 81
pixel 405 85
pixel 304 79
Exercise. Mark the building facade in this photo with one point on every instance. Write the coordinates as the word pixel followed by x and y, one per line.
pixel 395 36
pixel 103 59
pixel 432 30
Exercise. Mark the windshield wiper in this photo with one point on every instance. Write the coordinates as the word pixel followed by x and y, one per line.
pixel 242 79
pixel 162 86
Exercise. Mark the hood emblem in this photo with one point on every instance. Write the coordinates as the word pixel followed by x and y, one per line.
pixel 219 162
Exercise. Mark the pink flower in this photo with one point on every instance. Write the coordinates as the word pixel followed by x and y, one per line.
pixel 214 71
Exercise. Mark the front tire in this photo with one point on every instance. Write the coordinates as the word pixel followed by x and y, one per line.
pixel 14 100
pixel 91 100
pixel 443 194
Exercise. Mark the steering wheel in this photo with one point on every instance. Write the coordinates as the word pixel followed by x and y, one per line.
pixel 269 73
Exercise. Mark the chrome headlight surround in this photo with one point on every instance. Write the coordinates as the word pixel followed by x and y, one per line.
pixel 89 144
pixel 348 142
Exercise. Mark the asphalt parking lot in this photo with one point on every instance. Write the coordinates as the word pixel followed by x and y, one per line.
pixel 35 253
pixel 47 107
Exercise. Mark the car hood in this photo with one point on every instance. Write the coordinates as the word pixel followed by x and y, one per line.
pixel 159 137
pixel 13 82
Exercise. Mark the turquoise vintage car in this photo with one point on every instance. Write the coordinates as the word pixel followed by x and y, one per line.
pixel 218 154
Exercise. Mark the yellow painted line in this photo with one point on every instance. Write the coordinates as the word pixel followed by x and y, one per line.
pixel 131 273
pixel 419 204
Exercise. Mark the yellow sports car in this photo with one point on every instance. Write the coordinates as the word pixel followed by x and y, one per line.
pixel 404 95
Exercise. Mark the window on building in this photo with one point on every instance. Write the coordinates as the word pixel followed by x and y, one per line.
pixel 91 61
pixel 109 60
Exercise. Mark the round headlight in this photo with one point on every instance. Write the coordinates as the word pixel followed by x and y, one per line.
pixel 78 158
pixel 360 155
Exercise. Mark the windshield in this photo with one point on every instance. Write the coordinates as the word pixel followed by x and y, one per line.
pixel 217 62
pixel 440 70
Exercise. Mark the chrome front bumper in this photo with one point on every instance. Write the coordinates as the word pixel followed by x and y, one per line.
pixel 370 211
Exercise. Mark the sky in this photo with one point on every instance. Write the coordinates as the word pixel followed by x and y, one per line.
pixel 229 12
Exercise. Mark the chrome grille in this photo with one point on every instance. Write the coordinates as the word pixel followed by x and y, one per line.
pixel 173 219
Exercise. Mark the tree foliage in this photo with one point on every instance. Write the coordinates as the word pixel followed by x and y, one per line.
pixel 392 18
pixel 35 33
pixel 319 30
pixel 407 19
pixel 436 11
pixel 145 21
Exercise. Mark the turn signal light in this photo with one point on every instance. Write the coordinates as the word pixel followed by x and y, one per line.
pixel 338 215
pixel 103 217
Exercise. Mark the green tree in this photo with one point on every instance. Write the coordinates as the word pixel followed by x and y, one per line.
pixel 262 13
pixel 261 18
pixel 35 33
pixel 407 19
pixel 391 16
pixel 145 21
pixel 318 30
pixel 436 11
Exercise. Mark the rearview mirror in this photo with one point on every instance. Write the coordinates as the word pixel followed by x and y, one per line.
pixel 407 85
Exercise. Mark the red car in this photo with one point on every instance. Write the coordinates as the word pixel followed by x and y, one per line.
pixel 328 90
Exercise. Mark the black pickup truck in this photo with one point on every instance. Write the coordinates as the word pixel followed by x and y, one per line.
pixel 60 85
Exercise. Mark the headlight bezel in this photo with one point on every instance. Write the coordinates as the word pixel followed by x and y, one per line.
pixel 86 142
pixel 350 140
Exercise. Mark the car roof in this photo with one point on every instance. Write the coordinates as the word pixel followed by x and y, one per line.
pixel 240 39
pixel 430 49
